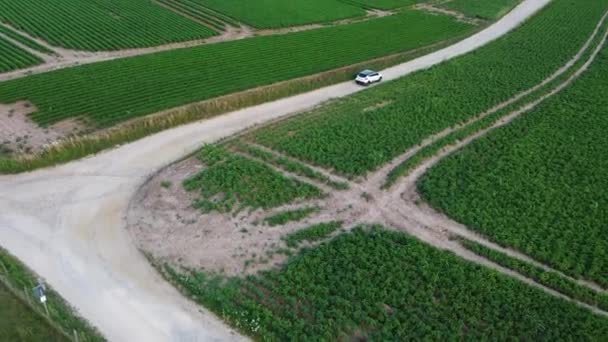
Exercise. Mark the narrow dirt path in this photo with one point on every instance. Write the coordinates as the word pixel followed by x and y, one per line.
pixel 68 223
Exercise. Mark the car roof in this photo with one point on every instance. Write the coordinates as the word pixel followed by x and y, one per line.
pixel 367 72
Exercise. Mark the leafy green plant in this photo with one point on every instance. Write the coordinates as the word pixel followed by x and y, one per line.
pixel 312 233
pixel 289 216
pixel 381 285
pixel 231 182
pixel 347 137
pixel 538 184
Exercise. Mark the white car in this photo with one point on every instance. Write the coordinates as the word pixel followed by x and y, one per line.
pixel 367 77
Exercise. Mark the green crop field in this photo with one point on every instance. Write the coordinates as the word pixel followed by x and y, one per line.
pixel 383 4
pixel 24 40
pixel 241 183
pixel 486 9
pixel 539 184
pixel 380 285
pixel 362 132
pixel 20 324
pixel 194 9
pixel 114 91
pixel 100 24
pixel 280 13
pixel 13 57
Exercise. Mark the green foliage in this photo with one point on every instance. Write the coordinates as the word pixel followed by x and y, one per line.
pixel 539 184
pixel 548 278
pixel 384 286
pixel 24 40
pixel 289 165
pixel 430 150
pixel 114 91
pixel 280 13
pixel 289 216
pixel 312 233
pixel 485 9
pixel 231 180
pixel 100 24
pixel 355 135
pixel 13 57
pixel 193 8
pixel 18 277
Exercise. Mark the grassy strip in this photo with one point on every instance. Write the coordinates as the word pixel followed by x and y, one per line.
pixel 430 150
pixel 289 216
pixel 548 278
pixel 79 147
pixel 289 165
pixel 60 315
pixel 231 180
pixel 19 323
pixel 313 233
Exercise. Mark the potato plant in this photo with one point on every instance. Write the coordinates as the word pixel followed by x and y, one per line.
pixel 231 182
pixel 374 284
pixel 539 184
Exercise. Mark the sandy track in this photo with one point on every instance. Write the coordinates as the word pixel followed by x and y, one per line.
pixel 67 223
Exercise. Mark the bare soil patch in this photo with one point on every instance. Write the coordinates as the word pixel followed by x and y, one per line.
pixel 20 135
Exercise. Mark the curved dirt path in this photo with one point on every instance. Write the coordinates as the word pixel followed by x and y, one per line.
pixel 67 223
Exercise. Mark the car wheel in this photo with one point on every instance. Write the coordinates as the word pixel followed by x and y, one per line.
pixel 380 79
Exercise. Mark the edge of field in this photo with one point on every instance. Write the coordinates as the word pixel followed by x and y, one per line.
pixel 56 312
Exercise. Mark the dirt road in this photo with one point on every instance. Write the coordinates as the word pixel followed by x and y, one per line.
pixel 67 223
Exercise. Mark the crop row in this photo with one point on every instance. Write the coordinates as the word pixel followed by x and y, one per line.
pixel 12 57
pixel 280 13
pixel 381 285
pixel 550 279
pixel 194 9
pixel 358 134
pixel 24 40
pixel 231 182
pixel 114 91
pixel 539 184
pixel 100 24
pixel 289 216
pixel 381 4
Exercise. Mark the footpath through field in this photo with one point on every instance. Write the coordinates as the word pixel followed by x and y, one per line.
pixel 67 223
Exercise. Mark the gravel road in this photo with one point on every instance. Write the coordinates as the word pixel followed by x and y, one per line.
pixel 67 223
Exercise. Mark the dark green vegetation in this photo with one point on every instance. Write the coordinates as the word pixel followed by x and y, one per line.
pixel 20 324
pixel 479 124
pixel 194 9
pixel 111 92
pixel 548 278
pixel 13 57
pixel 313 233
pixel 100 24
pixel 382 4
pixel 280 13
pixel 231 182
pixel 289 216
pixel 28 323
pixel 539 184
pixel 289 165
pixel 382 285
pixel 359 133
pixel 24 40
pixel 485 9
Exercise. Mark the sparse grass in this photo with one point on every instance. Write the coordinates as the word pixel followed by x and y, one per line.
pixel 289 216
pixel 312 233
